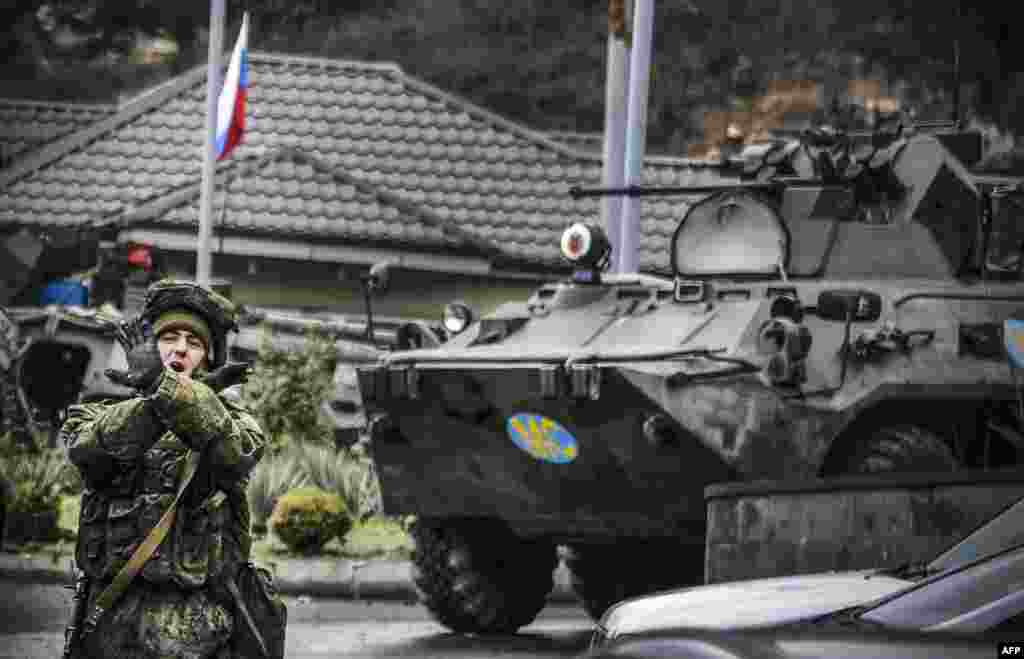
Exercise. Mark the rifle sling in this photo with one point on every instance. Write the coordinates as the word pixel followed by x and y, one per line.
pixel 124 577
pixel 244 610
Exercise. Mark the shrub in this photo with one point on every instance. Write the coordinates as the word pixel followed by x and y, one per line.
pixel 37 478
pixel 272 477
pixel 379 537
pixel 344 472
pixel 287 387
pixel 32 492
pixel 70 480
pixel 308 518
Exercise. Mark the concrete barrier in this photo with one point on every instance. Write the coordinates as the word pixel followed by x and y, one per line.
pixel 776 528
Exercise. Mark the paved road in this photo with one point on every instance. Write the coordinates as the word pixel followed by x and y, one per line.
pixel 32 622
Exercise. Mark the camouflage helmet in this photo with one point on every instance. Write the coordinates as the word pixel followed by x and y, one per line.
pixel 214 308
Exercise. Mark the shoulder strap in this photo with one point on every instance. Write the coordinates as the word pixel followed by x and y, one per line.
pixel 244 609
pixel 144 551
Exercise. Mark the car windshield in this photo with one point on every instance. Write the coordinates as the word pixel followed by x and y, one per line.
pixel 970 598
pixel 998 534
pixel 1001 532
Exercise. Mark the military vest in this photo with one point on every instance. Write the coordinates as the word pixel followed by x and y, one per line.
pixel 114 522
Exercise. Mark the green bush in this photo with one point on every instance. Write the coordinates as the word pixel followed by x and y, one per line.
pixel 272 477
pixel 37 477
pixel 379 537
pixel 345 472
pixel 70 480
pixel 308 518
pixel 285 392
pixel 286 388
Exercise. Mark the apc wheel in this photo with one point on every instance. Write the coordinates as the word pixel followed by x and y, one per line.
pixel 477 577
pixel 604 574
pixel 902 448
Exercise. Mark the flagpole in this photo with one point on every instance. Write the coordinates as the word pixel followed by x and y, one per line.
pixel 203 261
pixel 219 224
pixel 636 133
pixel 616 79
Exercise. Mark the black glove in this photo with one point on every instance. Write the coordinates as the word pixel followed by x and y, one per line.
pixel 227 375
pixel 144 362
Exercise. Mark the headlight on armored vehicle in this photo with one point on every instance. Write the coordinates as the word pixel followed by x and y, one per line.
pixel 781 335
pixel 457 317
pixel 585 245
pixel 787 343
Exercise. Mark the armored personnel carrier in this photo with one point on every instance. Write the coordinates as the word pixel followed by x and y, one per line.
pixel 835 311
pixel 51 357
pixel 54 355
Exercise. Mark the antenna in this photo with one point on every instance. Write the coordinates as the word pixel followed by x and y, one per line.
pixel 956 65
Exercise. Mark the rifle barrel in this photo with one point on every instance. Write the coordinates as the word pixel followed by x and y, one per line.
pixel 578 192
pixel 73 633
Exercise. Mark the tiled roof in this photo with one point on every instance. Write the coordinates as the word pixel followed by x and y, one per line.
pixel 495 181
pixel 593 142
pixel 28 125
pixel 590 142
pixel 288 193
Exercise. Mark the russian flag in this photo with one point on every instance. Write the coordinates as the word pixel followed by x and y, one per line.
pixel 231 104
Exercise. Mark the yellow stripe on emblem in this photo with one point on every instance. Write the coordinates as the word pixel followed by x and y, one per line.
pixel 542 438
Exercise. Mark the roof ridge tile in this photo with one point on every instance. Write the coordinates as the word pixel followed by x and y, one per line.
pixel 79 139
pixel 60 105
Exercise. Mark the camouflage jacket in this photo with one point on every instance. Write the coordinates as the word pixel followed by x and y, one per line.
pixel 132 455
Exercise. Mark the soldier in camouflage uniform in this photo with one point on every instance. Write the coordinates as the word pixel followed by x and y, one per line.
pixel 131 455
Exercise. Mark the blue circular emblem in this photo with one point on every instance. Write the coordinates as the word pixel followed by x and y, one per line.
pixel 543 438
pixel 1013 335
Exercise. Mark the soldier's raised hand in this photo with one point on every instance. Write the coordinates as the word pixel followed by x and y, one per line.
pixel 144 362
pixel 227 375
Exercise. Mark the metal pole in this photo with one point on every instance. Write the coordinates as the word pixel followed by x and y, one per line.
pixel 213 75
pixel 636 132
pixel 956 66
pixel 617 77
pixel 367 298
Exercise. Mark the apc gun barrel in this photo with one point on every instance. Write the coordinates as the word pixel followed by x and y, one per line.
pixel 578 192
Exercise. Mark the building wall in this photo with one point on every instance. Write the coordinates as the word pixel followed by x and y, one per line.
pixel 337 288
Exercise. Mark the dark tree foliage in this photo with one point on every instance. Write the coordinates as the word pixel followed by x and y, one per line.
pixel 76 49
pixel 544 63
pixel 87 29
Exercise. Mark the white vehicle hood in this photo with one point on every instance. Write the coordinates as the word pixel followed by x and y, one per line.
pixel 750 604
